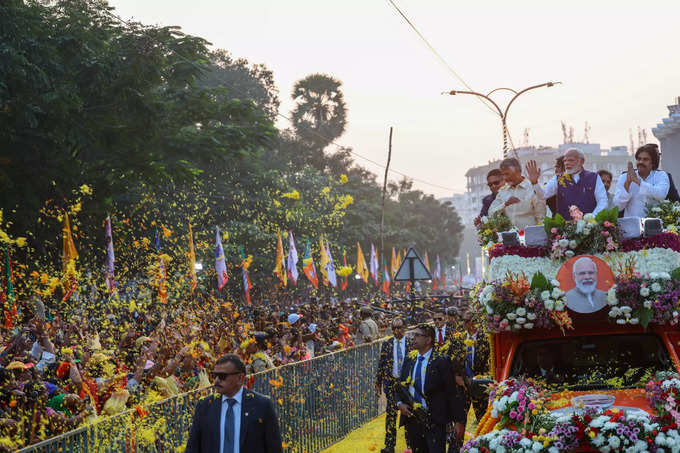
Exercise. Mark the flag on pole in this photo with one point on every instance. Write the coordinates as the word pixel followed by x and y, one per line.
pixel 330 268
pixel 110 258
pixel 386 279
pixel 309 268
pixel 324 262
pixel 362 271
pixel 374 265
pixel 69 248
pixel 192 261
pixel 162 274
pixel 394 265
pixel 437 274
pixel 68 260
pixel 343 281
pixel 427 262
pixel 245 264
pixel 280 269
pixel 7 296
pixel 220 264
pixel 292 259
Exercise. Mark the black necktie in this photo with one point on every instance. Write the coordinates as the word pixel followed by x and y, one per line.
pixel 229 427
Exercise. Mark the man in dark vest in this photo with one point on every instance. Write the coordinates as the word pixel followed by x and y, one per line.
pixel 575 187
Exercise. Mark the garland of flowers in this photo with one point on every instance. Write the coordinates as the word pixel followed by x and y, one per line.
pixel 514 304
pixel 635 299
pixel 517 250
pixel 520 422
pixel 489 227
pixel 665 240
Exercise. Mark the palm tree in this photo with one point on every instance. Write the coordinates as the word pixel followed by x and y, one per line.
pixel 319 116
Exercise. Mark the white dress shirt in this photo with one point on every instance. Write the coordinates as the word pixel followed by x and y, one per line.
pixel 396 371
pixel 237 419
pixel 550 189
pixel 651 190
pixel 436 333
pixel 423 371
pixel 529 211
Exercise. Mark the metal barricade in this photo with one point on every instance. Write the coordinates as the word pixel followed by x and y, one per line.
pixel 319 401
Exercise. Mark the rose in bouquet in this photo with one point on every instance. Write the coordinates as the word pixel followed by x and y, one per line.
pixel 663 394
pixel 583 234
pixel 489 227
pixel 669 213
pixel 514 402
pixel 635 299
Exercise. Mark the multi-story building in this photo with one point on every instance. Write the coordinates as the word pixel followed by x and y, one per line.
pixel 468 204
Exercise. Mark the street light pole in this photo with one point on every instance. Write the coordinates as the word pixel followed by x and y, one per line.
pixel 502 113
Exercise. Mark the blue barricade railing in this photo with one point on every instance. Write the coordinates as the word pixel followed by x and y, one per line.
pixel 319 401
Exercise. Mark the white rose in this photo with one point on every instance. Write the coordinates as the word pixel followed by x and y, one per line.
pixel 559 305
pixel 626 309
pixel 529 325
pixel 569 253
pixel 549 304
pixel 620 321
pixel 517 326
pixel 634 321
pixel 520 320
pixel 644 291
pixel 556 293
pixel 664 275
pixel 484 219
pixel 647 304
pixel 511 316
pixel 564 243
pixel 531 316
pixel 545 295
pixel 521 311
pixel 612 313
pixel 656 287
pixel 572 244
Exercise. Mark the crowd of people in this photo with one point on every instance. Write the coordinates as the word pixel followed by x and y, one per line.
pixel 525 202
pixel 60 371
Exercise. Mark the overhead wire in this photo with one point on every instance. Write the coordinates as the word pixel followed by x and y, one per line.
pixel 330 141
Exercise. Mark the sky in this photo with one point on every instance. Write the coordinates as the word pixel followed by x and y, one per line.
pixel 617 61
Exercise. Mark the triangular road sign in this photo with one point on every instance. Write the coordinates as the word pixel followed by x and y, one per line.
pixel 412 268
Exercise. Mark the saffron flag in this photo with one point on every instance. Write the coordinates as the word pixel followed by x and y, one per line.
pixel 343 281
pixel 220 264
pixel 245 264
pixel 324 262
pixel 394 265
pixel 280 269
pixel 162 274
pixel 110 258
pixel 330 268
pixel 374 265
pixel 362 271
pixel 309 268
pixel 68 260
pixel 192 261
pixel 292 259
pixel 437 274
pixel 427 261
pixel 386 279
pixel 69 248
pixel 7 296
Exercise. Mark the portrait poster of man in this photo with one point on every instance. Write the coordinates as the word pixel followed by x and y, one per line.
pixel 585 279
